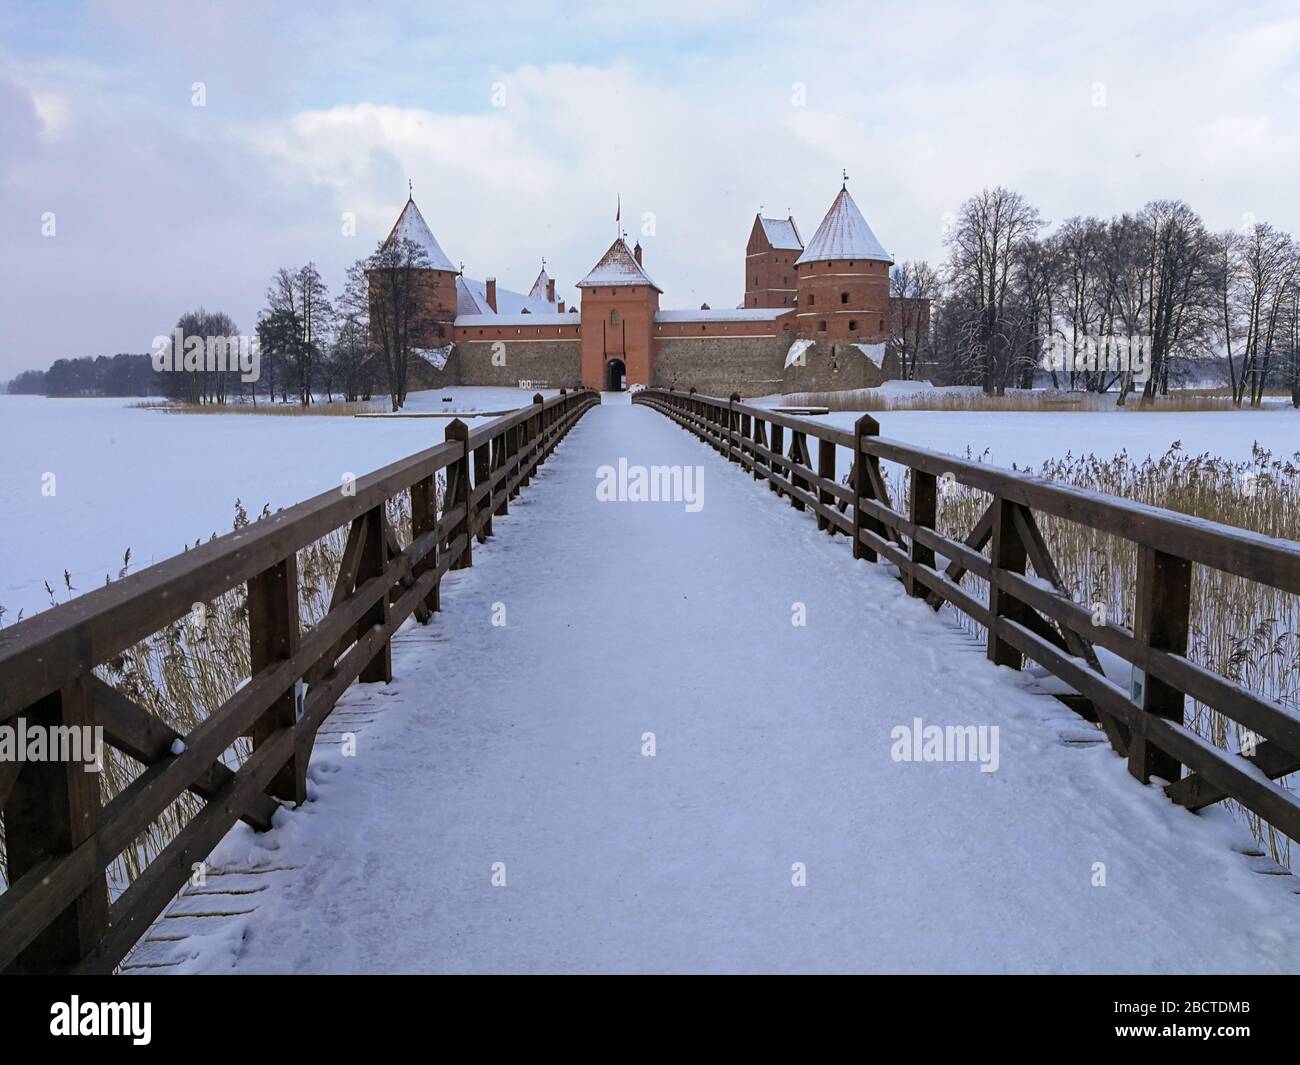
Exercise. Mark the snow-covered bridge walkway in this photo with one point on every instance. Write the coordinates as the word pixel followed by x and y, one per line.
pixel 515 753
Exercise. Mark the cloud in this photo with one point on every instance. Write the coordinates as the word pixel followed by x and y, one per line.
pixel 688 111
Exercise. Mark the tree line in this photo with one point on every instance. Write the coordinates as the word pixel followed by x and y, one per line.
pixel 309 343
pixel 1008 289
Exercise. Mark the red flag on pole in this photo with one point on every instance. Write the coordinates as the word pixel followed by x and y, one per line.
pixel 618 215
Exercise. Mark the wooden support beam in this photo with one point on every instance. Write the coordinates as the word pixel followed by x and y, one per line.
pixel 374 563
pixel 482 476
pixel 1008 553
pixel 53 808
pixel 458 491
pixel 1162 614
pixel 825 470
pixel 923 508
pixel 798 454
pixel 863 488
pixel 424 519
pixel 778 448
pixel 978 537
pixel 274 636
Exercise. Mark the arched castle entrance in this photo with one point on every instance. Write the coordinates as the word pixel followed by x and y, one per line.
pixel 615 375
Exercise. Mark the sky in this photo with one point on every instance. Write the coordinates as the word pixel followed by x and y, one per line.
pixel 159 157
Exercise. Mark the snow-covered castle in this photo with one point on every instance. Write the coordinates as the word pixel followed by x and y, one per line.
pixel 814 317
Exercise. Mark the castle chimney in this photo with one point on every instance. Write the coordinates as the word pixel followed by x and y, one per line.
pixel 637 252
pixel 561 307
pixel 492 293
pixel 550 290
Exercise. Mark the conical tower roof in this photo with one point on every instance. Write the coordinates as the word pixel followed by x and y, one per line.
pixel 843 234
pixel 538 291
pixel 411 226
pixel 618 266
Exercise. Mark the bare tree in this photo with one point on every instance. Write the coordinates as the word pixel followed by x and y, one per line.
pixel 913 286
pixel 991 229
pixel 1179 277
pixel 395 273
pixel 1258 273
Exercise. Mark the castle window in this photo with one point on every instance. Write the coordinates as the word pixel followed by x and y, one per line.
pixel 853 326
pixel 882 325
pixel 844 297
pixel 821 327
pixel 613 317
pixel 811 299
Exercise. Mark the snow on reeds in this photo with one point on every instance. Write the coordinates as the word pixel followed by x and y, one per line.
pixel 191 667
pixel 973 400
pixel 1240 629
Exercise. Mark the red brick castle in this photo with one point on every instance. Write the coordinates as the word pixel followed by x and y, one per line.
pixel 813 317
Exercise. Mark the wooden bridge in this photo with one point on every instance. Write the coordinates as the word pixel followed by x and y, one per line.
pixel 637 769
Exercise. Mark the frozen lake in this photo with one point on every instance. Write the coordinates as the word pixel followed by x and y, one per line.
pixel 1029 438
pixel 153 482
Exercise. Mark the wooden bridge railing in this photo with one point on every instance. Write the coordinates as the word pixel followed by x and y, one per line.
pixel 1142 714
pixel 56 913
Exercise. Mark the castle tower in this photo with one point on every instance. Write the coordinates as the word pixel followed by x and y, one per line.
pixel 774 245
pixel 843 279
pixel 544 287
pixel 436 284
pixel 619 303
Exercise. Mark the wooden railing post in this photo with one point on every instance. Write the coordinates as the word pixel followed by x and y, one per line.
pixel 513 440
pixel 424 519
pixel 777 448
pixel 1007 552
pixel 798 454
pixel 500 459
pixel 458 493
pixel 53 808
pixel 1161 619
pixel 862 487
pixel 826 470
pixel 760 439
pixel 274 635
pixel 923 507
pixel 539 426
pixel 483 476
pixel 374 561
pixel 733 423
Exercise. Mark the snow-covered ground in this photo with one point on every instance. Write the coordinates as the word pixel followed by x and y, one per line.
pixel 501 812
pixel 1028 438
pixel 152 481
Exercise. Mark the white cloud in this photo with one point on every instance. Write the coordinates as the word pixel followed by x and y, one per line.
pixel 686 113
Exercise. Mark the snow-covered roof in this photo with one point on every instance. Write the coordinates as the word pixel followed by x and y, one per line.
pixel 795 354
pixel 618 266
pixel 538 291
pixel 739 314
pixel 874 352
pixel 844 234
pixel 435 357
pixel 471 298
pixel 782 233
pixel 410 225
pixel 488 321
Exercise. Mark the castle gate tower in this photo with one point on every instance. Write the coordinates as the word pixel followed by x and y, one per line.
pixel 619 302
